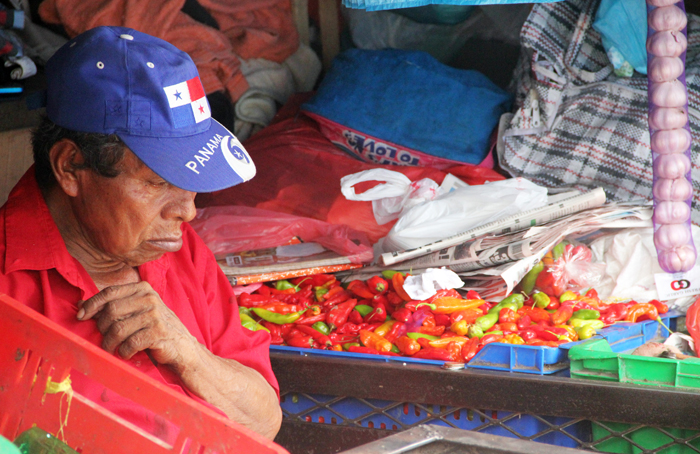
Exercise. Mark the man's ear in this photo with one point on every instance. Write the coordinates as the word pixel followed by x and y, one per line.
pixel 66 158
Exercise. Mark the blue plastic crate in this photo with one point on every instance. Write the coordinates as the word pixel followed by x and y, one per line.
pixel 388 415
pixel 526 358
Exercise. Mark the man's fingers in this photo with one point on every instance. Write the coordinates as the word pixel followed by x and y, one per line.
pixel 121 330
pixel 93 305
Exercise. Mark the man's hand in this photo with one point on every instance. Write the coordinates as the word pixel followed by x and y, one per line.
pixel 133 318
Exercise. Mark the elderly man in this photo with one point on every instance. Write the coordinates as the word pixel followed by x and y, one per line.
pixel 95 234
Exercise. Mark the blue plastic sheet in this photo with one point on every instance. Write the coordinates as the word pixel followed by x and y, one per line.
pixel 378 5
pixel 622 25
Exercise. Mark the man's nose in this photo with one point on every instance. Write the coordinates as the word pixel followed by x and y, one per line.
pixel 181 206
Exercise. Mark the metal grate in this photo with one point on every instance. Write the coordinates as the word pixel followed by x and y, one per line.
pixel 560 431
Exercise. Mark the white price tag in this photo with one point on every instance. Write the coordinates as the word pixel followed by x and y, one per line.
pixel 676 285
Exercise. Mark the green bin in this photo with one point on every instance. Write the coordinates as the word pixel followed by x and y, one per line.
pixel 594 360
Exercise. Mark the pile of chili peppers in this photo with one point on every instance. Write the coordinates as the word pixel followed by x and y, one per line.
pixel 377 316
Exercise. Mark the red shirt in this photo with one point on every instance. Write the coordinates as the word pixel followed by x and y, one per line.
pixel 37 270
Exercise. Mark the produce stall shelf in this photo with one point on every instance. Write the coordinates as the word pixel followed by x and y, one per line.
pixel 562 407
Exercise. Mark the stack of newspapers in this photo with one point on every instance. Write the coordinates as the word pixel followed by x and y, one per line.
pixel 493 258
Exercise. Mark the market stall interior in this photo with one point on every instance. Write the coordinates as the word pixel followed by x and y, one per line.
pixel 472 226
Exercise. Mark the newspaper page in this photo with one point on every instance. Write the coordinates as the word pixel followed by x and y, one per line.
pixel 499 281
pixel 491 250
pixel 519 221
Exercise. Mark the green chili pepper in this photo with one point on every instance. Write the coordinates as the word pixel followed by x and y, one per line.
pixel 351 344
pixel 486 321
pixel 320 291
pixel 586 314
pixel 517 298
pixel 395 349
pixel 388 274
pixel 585 332
pixel 558 250
pixel 475 331
pixel 274 317
pixel 321 327
pixel 363 309
pixel 285 285
pixel 248 323
pixel 497 308
pixel 528 282
pixel 243 310
pixel 426 336
pixel 577 323
pixel 541 299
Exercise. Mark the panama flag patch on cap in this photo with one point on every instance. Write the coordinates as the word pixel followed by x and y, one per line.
pixel 188 102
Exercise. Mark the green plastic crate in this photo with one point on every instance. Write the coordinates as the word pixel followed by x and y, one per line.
pixel 594 360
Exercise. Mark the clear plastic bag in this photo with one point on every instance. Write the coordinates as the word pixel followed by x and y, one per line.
pixel 568 266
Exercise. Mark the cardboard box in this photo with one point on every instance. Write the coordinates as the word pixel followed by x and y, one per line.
pixel 15 158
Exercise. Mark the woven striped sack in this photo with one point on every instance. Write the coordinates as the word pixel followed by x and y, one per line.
pixel 577 124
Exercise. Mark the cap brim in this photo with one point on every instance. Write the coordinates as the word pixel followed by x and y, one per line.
pixel 204 162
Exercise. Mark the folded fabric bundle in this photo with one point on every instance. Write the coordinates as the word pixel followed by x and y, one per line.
pixel 404 107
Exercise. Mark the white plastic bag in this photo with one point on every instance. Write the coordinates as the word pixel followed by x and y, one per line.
pixel 461 210
pixel 393 197
pixel 428 213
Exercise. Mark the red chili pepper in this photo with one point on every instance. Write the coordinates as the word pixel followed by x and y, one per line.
pixel 397 330
pixel 620 310
pixel 311 319
pixel 442 320
pixel 402 315
pixel 355 317
pixel 508 328
pixel 349 328
pixel 423 342
pixel 338 338
pixel 608 318
pixel 541 343
pixel 439 354
pixel 263 290
pixel 247 300
pixel 487 339
pixel 338 315
pixel 507 315
pixel 360 289
pixel 470 348
pixel 527 334
pixel 337 298
pixel 301 340
pixel 287 291
pixel 378 314
pixel 377 284
pixel 318 336
pixel 316 280
pixel 432 330
pixel 553 305
pixel 495 327
pixel 592 293
pixel 524 322
pixel 692 323
pixel 472 295
pixel 379 299
pixel 538 314
pixel 275 332
pixel 661 307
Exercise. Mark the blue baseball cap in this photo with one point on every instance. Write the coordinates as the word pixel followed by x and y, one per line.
pixel 116 80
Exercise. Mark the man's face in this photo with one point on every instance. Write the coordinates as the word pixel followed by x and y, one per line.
pixel 132 218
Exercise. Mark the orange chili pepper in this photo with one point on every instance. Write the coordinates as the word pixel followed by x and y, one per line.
pixel 375 341
pixel 569 329
pixel 449 304
pixel 397 281
pixel 407 346
pixel 445 341
pixel 469 315
pixel 640 309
